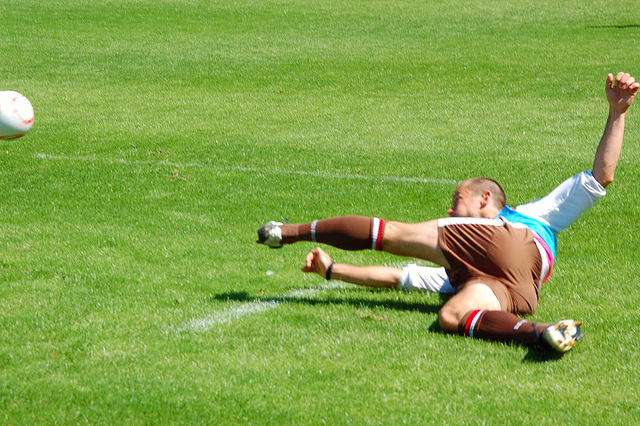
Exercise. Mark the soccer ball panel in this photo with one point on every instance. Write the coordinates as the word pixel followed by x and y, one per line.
pixel 16 115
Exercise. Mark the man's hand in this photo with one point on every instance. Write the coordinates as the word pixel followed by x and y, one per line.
pixel 621 91
pixel 317 261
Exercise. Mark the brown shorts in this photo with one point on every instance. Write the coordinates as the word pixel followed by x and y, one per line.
pixel 494 253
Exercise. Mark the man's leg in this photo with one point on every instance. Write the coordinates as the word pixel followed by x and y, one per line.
pixel 347 233
pixel 418 240
pixel 476 312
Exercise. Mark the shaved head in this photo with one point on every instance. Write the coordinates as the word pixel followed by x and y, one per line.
pixel 478 186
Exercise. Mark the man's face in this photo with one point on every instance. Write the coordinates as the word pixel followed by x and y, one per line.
pixel 464 203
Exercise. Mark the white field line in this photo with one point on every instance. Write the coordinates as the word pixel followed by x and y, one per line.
pixel 227 316
pixel 273 170
pixel 248 308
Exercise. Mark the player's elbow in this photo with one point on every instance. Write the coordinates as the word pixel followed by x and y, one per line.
pixel 604 177
pixel 606 180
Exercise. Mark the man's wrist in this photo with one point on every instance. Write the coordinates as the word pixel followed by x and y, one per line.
pixel 616 113
pixel 329 271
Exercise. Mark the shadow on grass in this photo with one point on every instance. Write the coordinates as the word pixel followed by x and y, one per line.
pixel 615 26
pixel 536 354
pixel 357 302
pixel 540 354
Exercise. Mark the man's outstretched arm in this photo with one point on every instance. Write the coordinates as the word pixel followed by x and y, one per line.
pixel 318 261
pixel 620 94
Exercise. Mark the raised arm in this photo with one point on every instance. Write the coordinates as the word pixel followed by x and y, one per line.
pixel 620 93
pixel 318 261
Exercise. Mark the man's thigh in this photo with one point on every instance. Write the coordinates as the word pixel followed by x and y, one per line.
pixel 517 299
pixel 419 240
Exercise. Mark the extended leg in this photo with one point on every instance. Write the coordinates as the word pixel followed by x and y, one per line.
pixel 418 240
pixel 347 233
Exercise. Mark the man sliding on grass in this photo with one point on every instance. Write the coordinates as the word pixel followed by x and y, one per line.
pixel 493 257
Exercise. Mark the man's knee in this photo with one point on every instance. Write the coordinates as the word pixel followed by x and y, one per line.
pixel 449 319
pixel 472 297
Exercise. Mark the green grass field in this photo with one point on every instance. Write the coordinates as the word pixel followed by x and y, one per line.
pixel 131 290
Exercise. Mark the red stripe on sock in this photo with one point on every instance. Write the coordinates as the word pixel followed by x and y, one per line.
pixel 379 240
pixel 467 325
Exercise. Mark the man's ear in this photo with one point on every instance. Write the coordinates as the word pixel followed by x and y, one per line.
pixel 486 198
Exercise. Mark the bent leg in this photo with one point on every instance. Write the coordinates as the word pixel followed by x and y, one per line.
pixel 476 312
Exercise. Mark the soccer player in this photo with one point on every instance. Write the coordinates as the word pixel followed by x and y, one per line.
pixel 493 257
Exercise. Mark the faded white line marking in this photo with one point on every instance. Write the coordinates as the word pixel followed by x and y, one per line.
pixel 276 170
pixel 227 316
pixel 249 308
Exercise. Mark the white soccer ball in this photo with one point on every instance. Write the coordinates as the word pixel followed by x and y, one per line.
pixel 16 115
